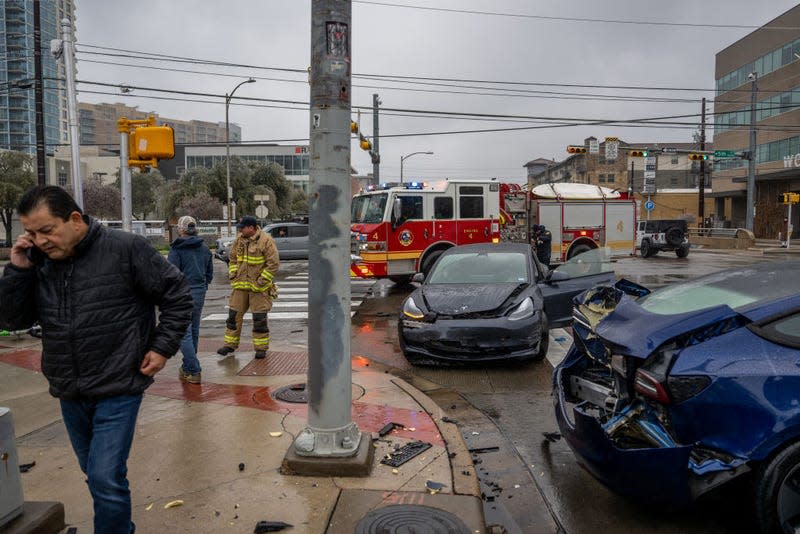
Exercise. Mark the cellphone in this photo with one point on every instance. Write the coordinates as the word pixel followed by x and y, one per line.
pixel 35 255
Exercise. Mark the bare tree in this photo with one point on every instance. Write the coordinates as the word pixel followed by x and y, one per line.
pixel 201 206
pixel 16 175
pixel 101 201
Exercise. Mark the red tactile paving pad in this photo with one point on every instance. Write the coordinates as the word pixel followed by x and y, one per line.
pixel 25 358
pixel 277 364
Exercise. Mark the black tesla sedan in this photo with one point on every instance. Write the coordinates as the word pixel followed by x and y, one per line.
pixel 493 302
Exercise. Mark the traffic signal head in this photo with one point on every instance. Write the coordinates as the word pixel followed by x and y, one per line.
pixel 638 153
pixel 353 126
pixel 695 157
pixel 365 144
pixel 152 142
pixel 575 149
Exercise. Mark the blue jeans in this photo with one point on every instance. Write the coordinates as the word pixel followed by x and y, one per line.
pixel 191 338
pixel 101 432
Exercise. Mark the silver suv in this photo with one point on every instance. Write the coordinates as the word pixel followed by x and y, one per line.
pixel 658 235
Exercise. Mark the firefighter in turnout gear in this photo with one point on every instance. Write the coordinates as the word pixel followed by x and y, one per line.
pixel 253 265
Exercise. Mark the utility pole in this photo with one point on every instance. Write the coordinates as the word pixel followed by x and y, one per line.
pixel 38 93
pixel 331 443
pixel 751 166
pixel 123 126
pixel 68 51
pixel 630 182
pixel 376 152
pixel 701 196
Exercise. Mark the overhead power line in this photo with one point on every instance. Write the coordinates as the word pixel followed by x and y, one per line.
pixel 648 22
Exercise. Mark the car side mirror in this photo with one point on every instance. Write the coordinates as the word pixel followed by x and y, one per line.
pixel 397 211
pixel 418 277
pixel 557 276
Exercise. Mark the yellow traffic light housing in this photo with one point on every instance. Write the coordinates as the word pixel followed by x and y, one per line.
pixel 638 153
pixel 147 143
pixel 353 127
pixel 695 157
pixel 789 198
pixel 575 149
pixel 365 144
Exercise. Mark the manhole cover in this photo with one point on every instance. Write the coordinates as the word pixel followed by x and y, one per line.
pixel 292 393
pixel 402 518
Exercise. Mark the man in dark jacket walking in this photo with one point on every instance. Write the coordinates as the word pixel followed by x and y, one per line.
pixel 95 292
pixel 190 254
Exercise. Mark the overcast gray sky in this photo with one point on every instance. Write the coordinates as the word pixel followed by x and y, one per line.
pixel 398 41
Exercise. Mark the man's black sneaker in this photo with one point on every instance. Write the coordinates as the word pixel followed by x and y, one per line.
pixel 224 351
pixel 261 354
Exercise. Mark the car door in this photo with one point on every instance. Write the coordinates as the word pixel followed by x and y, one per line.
pixel 575 276
pixel 280 234
pixel 298 238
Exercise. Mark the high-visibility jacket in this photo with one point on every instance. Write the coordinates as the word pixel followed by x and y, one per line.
pixel 253 262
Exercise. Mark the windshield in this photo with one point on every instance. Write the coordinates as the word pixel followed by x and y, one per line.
pixel 368 208
pixel 737 288
pixel 480 268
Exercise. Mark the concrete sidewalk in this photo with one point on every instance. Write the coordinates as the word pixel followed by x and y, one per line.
pixel 218 447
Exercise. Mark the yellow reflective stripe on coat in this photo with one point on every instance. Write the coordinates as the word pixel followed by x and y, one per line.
pixel 249 286
pixel 250 260
pixel 232 268
pixel 266 275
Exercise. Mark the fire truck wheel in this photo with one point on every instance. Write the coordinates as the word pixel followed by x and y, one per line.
pixel 401 280
pixel 578 249
pixel 427 264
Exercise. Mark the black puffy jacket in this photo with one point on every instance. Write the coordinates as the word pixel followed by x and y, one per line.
pixel 97 312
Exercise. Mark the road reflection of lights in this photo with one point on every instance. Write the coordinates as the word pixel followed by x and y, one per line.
pixel 360 361
pixel 365 328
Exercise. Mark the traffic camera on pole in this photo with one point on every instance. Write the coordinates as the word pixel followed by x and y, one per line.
pixel 576 149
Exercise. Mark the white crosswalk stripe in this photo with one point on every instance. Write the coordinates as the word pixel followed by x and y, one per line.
pixel 292 302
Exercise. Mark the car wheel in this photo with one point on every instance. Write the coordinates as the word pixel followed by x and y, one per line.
pixel 682 251
pixel 544 342
pixel 427 264
pixel 644 248
pixel 674 236
pixel 778 492
pixel 578 249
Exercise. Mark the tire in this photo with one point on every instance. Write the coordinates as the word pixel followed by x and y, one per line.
pixel 682 251
pixel 777 484
pixel 430 259
pixel 645 249
pixel 544 342
pixel 578 249
pixel 674 236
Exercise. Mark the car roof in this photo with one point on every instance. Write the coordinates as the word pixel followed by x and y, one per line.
pixel 288 223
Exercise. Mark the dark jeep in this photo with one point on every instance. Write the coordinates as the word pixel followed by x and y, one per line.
pixel 662 234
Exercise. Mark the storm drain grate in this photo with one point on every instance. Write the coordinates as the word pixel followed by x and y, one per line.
pixel 276 364
pixel 292 393
pixel 401 518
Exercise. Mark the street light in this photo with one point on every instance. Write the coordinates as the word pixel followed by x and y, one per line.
pixel 228 148
pixel 403 158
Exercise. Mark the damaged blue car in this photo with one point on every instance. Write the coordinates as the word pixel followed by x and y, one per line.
pixel 669 394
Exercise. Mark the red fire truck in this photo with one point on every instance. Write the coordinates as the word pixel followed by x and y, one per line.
pixel 398 231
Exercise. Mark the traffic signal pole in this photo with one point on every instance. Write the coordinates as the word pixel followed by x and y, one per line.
pixel 376 141
pixel 331 443
pixel 701 193
pixel 123 126
pixel 751 164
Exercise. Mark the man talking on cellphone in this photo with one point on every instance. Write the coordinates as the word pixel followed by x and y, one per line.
pixel 95 292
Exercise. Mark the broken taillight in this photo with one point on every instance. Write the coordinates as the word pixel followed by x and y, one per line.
pixel 653 380
pixel 650 386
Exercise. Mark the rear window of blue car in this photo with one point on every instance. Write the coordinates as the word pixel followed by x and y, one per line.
pixel 735 288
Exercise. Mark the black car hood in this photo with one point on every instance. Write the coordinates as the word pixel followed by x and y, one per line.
pixel 461 299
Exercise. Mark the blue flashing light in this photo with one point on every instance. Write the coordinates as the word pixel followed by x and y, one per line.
pixel 385 186
pixel 415 185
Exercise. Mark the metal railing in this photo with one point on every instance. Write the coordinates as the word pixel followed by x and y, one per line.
pixel 730 233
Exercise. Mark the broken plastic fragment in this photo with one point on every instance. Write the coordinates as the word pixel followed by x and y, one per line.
pixel 149 507
pixel 434 487
pixel 173 504
pixel 395 471
pixel 275 434
pixel 270 526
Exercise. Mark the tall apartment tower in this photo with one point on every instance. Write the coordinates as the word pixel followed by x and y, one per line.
pixel 17 74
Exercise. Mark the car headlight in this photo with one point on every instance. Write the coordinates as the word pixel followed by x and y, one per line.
pixel 522 311
pixel 411 310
